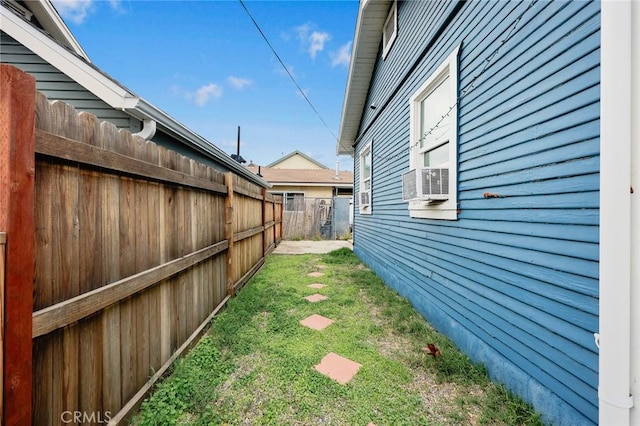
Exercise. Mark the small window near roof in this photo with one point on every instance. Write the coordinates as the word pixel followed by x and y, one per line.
pixel 390 30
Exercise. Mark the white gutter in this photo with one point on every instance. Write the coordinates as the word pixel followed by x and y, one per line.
pixel 614 390
pixel 148 129
pixel 143 109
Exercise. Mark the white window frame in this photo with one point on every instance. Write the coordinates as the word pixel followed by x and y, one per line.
pixel 448 209
pixel 393 15
pixel 365 209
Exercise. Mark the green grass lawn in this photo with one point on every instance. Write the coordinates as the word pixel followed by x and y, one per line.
pixel 256 363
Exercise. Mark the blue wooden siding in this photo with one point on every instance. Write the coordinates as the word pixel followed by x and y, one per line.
pixel 514 281
pixel 57 86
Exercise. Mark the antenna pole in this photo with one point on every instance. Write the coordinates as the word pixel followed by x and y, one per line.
pixel 238 141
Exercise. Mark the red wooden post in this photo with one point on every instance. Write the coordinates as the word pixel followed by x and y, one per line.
pixel 17 219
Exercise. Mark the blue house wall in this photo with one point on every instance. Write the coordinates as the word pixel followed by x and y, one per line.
pixel 514 280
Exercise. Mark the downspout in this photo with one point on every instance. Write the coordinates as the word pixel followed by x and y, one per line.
pixel 614 340
pixel 148 129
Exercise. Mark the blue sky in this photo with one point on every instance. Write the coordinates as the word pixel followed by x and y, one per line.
pixel 205 64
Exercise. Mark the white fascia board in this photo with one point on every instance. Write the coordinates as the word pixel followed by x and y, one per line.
pixel 45 11
pixel 187 136
pixel 67 62
pixel 367 39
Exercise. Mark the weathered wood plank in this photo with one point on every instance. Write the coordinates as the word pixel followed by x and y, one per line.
pixel 74 309
pixel 127 248
pixel 70 150
pixel 229 232
pixel 110 196
pixel 153 253
pixel 247 234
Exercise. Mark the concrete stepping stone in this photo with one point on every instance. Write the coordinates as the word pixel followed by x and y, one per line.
pixel 315 274
pixel 316 322
pixel 338 368
pixel 316 298
pixel 316 285
pixel 321 266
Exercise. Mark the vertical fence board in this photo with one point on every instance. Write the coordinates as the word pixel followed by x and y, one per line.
pixel 91 276
pixel 111 342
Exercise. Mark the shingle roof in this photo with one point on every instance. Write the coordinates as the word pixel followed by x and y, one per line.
pixel 304 176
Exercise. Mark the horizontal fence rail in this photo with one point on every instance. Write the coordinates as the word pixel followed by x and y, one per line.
pixel 136 248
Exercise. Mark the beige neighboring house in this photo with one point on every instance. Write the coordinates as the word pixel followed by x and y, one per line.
pixel 316 198
pixel 296 176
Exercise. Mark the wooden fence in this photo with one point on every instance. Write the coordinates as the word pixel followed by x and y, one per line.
pixel 135 249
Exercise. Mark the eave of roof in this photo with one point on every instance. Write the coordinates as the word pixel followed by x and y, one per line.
pixel 109 90
pixel 302 154
pixel 368 36
pixel 46 13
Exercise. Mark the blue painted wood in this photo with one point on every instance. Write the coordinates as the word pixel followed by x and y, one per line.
pixel 514 281
pixel 566 145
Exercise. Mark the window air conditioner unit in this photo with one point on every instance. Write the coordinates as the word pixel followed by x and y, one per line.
pixel 425 184
pixel 365 198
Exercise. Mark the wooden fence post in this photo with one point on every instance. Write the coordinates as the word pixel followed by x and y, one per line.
pixel 3 240
pixel 17 220
pixel 228 231
pixel 264 222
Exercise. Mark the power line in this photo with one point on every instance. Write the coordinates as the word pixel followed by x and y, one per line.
pixel 286 69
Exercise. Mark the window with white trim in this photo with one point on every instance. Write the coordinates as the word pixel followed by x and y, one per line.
pixel 364 195
pixel 390 29
pixel 430 185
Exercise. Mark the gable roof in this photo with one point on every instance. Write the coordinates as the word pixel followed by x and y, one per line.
pixel 301 154
pixel 49 21
pixel 305 177
pixel 78 68
pixel 366 43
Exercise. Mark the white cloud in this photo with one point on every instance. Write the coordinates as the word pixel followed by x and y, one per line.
pixel 318 40
pixel 239 82
pixel 313 41
pixel 342 56
pixel 201 96
pixel 116 5
pixel 75 11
